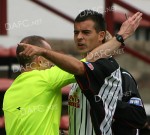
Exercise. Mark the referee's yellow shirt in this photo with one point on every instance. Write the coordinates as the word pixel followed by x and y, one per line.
pixel 32 105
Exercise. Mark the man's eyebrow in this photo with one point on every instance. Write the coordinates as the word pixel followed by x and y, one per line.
pixel 76 30
pixel 86 30
pixel 82 31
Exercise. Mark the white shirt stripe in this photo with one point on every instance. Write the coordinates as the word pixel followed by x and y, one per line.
pixel 80 120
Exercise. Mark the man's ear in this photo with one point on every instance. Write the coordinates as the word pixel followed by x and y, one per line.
pixel 101 36
pixel 38 60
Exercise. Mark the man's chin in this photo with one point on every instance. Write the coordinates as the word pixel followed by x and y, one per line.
pixel 83 54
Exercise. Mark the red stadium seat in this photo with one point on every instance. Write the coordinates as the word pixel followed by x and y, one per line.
pixel 5 83
pixel 64 122
pixel 5 57
pixel 4 52
pixel 12 51
pixel 119 17
pixel 2 123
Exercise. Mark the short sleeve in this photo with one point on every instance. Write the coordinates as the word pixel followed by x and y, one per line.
pixel 96 72
pixel 58 78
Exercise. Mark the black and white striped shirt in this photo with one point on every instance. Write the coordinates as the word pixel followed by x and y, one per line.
pixel 102 86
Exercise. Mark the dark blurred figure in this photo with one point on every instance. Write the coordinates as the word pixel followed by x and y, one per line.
pixel 146 129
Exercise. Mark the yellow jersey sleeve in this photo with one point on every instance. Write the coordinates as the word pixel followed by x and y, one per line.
pixel 59 78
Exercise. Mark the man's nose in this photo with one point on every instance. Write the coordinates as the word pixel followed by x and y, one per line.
pixel 80 36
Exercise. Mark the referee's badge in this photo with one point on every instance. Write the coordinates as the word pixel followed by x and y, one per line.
pixel 90 65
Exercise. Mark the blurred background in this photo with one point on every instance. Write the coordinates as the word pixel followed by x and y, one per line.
pixel 53 19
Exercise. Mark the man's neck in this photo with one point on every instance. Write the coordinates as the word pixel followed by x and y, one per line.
pixel 29 67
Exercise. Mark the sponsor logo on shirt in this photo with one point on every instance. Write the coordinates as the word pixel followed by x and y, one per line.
pixel 135 101
pixel 74 100
pixel 90 65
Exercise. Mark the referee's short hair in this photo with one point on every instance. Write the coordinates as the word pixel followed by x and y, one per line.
pixel 33 40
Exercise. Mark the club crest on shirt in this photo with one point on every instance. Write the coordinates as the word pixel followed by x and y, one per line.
pixel 74 100
pixel 90 65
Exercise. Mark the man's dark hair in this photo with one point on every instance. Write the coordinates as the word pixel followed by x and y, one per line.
pixel 100 24
pixel 33 40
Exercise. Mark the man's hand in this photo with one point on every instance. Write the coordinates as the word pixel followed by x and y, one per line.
pixel 130 25
pixel 108 36
pixel 30 50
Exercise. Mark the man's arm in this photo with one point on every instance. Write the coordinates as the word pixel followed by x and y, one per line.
pixel 130 110
pixel 65 62
pixel 74 66
pixel 126 30
pixel 130 114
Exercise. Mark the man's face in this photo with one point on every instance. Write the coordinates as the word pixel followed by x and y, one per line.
pixel 85 36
